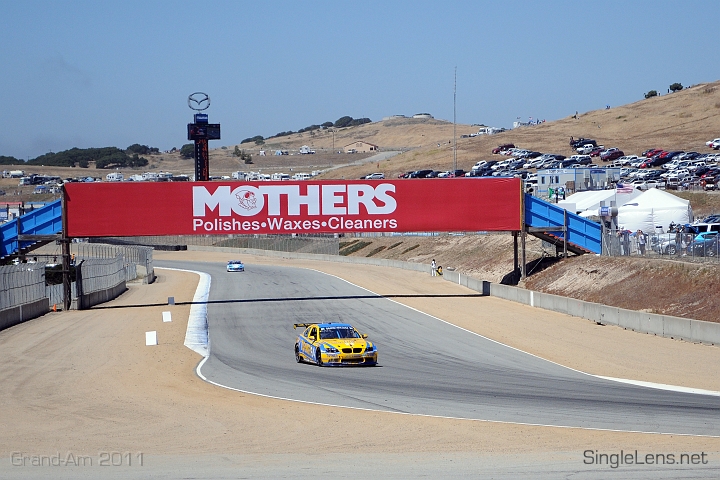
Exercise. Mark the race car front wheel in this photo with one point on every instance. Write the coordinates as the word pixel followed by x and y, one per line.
pixel 298 357
pixel 318 358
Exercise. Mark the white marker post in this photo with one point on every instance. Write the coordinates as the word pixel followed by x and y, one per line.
pixel 151 338
pixel 167 317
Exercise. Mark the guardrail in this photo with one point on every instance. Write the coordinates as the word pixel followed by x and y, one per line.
pixel 100 280
pixel 100 276
pixel 22 293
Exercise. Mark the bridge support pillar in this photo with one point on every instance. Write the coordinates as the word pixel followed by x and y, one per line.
pixel 516 260
pixel 523 268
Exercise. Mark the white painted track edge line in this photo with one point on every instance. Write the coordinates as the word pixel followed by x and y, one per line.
pixel 198 371
pixel 196 334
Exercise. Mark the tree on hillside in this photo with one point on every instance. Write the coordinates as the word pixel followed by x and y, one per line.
pixel 258 139
pixel 358 121
pixel 141 149
pixel 187 151
pixel 327 124
pixel 79 157
pixel 651 93
pixel 342 121
pixel 10 161
pixel 242 155
pixel 676 87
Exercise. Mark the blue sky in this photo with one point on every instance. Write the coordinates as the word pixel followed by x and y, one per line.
pixel 99 73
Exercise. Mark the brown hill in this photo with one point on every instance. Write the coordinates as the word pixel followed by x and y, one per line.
pixel 684 120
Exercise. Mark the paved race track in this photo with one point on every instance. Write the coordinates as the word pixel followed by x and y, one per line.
pixel 426 366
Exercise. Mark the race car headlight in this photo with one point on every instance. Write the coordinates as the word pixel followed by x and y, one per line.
pixel 330 348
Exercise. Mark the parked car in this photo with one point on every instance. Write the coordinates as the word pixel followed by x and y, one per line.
pixel 375 176
pixel 710 183
pixel 503 147
pixel 595 152
pixel 581 159
pixel 586 149
pixel 664 244
pixel 579 142
pixel 704 245
pixel 710 142
pixel 420 174
pixel 611 154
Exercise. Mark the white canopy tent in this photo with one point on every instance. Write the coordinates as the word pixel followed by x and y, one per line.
pixel 588 203
pixel 653 208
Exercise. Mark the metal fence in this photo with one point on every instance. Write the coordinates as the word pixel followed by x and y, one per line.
pixel 21 284
pixel 104 273
pixel 674 246
pixel 326 245
pixel 56 294
pixel 133 256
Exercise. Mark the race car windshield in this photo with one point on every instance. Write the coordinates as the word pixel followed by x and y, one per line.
pixel 338 332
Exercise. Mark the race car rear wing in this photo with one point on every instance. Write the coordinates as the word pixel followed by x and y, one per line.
pixel 303 325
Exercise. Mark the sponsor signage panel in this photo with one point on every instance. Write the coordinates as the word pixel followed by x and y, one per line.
pixel 330 206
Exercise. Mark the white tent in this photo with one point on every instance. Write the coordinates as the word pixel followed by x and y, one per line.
pixel 652 209
pixel 588 203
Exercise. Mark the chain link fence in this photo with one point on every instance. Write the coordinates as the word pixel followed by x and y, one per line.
pixel 677 245
pixel 104 273
pixel 101 267
pixel 134 256
pixel 21 284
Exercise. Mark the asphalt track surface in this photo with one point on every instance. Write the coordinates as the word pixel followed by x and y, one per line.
pixel 426 366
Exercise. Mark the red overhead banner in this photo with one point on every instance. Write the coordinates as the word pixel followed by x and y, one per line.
pixel 303 207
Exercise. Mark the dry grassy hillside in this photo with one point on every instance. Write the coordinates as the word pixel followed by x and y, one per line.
pixel 684 121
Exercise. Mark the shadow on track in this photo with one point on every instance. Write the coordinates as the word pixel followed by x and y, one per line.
pixel 291 299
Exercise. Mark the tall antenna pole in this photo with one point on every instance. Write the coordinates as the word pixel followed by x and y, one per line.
pixel 454 120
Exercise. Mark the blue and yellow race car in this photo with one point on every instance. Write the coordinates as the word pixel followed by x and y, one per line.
pixel 333 344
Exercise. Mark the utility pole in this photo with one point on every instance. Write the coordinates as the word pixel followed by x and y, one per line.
pixel 454 121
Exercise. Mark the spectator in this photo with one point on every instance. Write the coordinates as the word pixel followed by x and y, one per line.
pixel 678 239
pixel 433 268
pixel 641 240
pixel 624 237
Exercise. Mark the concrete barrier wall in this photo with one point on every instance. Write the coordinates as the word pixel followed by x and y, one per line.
pixel 661 325
pixel 101 296
pixel 22 313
